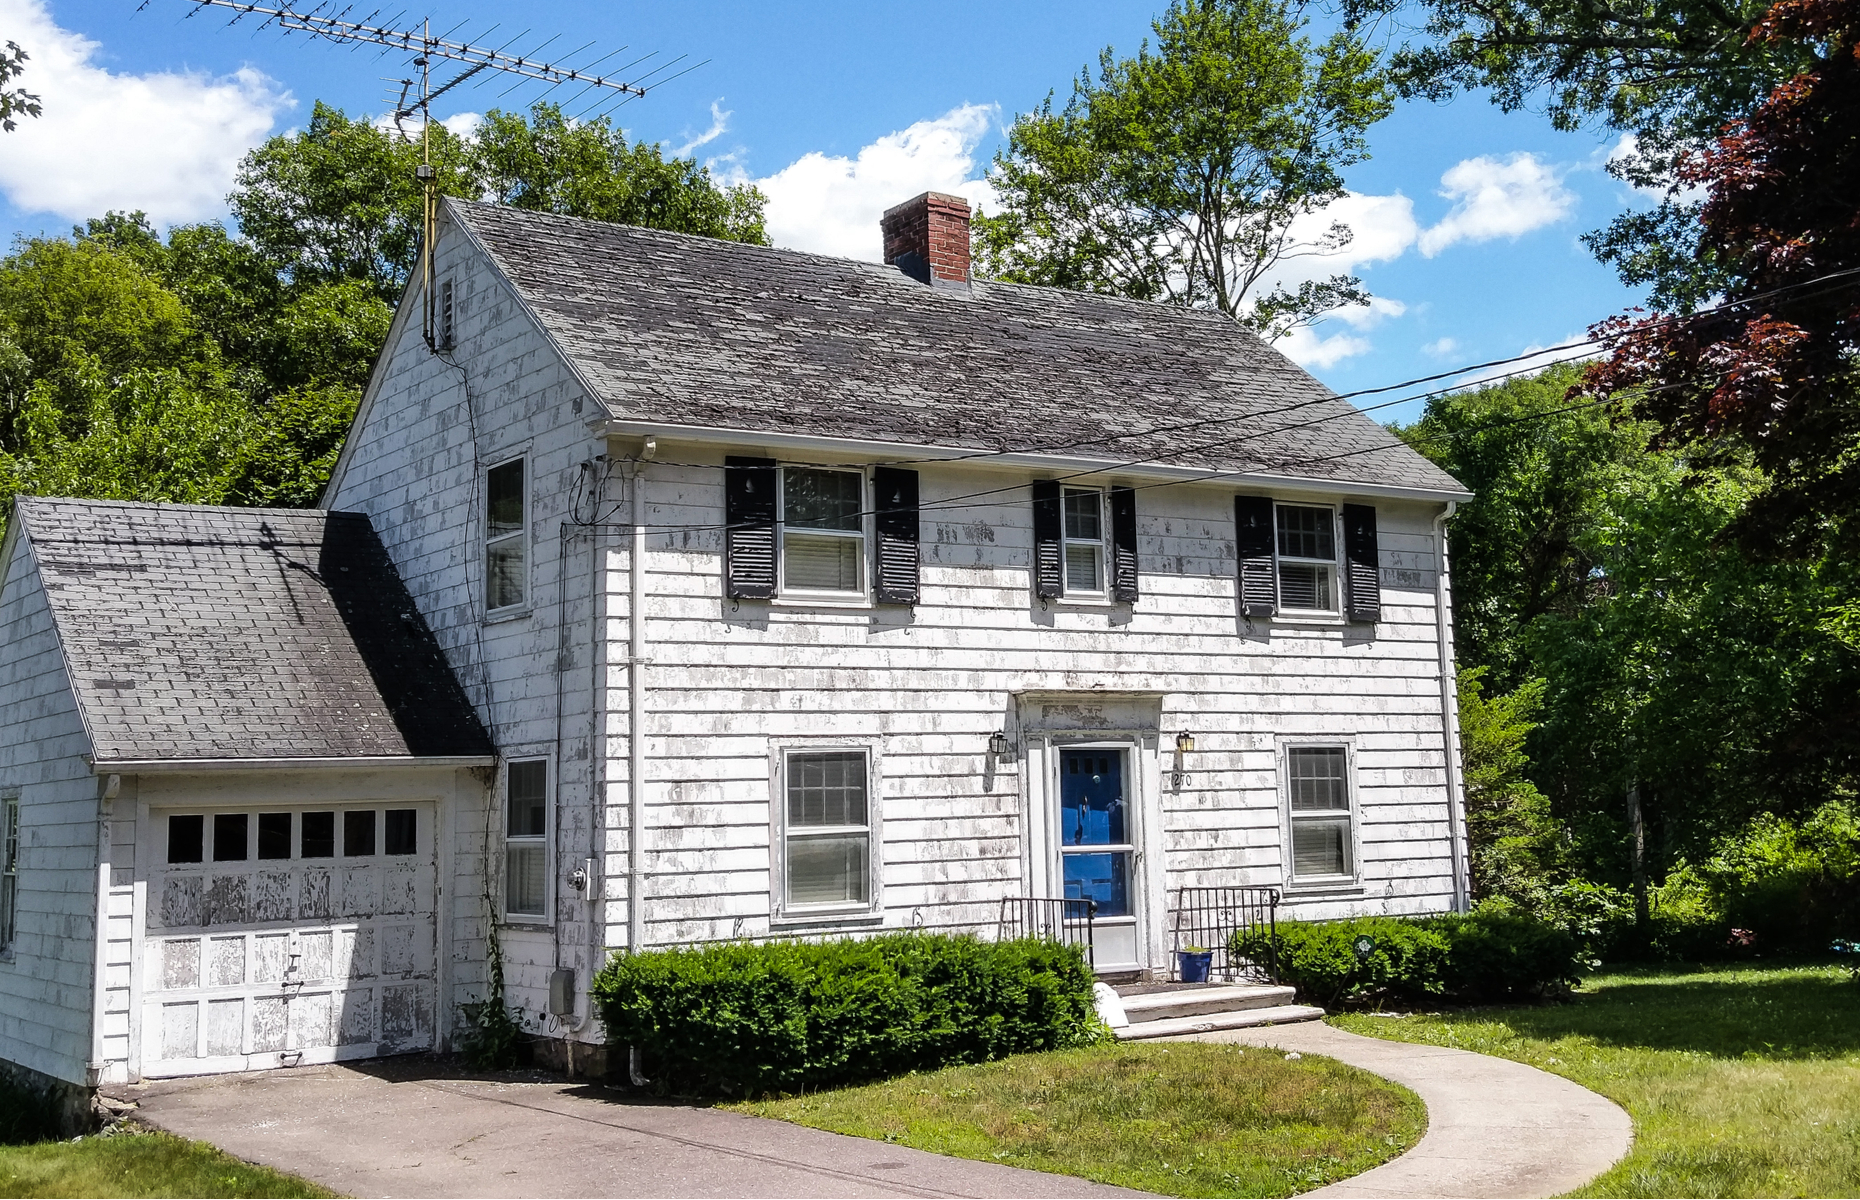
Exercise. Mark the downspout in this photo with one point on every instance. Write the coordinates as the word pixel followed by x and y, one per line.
pixel 636 727
pixel 1457 848
pixel 636 706
pixel 594 871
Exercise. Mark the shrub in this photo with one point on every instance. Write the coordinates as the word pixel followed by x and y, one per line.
pixel 1489 954
pixel 1795 884
pixel 1684 919
pixel 747 1019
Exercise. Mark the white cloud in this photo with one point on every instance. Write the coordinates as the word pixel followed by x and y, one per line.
pixel 1496 198
pixel 719 125
pixel 463 125
pixel 1307 347
pixel 166 143
pixel 1538 356
pixel 831 204
pixel 1441 348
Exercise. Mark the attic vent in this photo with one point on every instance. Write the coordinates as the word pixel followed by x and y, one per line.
pixel 445 315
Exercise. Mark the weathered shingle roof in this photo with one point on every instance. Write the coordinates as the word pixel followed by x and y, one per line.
pixel 242 633
pixel 691 331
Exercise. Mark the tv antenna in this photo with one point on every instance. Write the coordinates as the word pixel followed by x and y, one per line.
pixel 330 23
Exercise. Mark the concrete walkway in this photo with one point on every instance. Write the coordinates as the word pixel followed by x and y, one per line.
pixel 412 1127
pixel 1494 1127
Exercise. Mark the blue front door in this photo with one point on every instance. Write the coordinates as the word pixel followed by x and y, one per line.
pixel 1095 829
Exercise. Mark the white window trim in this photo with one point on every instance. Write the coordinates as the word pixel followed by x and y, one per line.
pixel 781 913
pixel 859 598
pixel 546 840
pixel 1333 614
pixel 523 532
pixel 1292 882
pixel 1102 595
pixel 10 843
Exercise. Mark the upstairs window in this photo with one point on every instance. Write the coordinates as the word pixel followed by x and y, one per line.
pixel 1307 545
pixel 823 531
pixel 9 870
pixel 506 574
pixel 1083 534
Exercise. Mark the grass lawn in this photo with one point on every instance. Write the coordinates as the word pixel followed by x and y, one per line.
pixel 1185 1119
pixel 138 1164
pixel 1741 1081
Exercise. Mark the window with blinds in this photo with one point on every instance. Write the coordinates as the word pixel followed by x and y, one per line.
pixel 823 531
pixel 526 830
pixel 1318 799
pixel 826 830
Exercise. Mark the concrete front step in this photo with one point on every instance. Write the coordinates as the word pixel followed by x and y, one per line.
pixel 1192 1001
pixel 1280 1014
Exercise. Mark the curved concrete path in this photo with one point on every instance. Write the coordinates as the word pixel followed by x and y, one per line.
pixel 1494 1127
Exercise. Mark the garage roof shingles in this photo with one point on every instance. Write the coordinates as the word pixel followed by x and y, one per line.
pixel 242 633
pixel 692 331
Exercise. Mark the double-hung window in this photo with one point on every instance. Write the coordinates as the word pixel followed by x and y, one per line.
pixel 9 870
pixel 526 831
pixel 1307 545
pixel 826 836
pixel 506 573
pixel 1082 510
pixel 1317 784
pixel 823 532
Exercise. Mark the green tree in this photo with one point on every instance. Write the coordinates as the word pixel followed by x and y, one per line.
pixel 547 163
pixel 1712 685
pixel 1187 173
pixel 1513 838
pixel 15 101
pixel 339 201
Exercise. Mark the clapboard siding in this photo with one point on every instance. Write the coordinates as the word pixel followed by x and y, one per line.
pixel 415 463
pixel 728 683
pixel 46 980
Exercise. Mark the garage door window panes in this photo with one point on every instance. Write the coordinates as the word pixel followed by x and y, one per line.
pixel 186 838
pixel 319 835
pixel 229 837
pixel 274 835
pixel 525 832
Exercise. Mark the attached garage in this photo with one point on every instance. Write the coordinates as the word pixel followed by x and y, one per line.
pixel 283 936
pixel 266 789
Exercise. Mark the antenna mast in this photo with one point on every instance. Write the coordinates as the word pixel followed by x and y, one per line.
pixel 319 22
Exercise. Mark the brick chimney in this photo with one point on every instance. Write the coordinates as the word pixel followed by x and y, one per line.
pixel 928 239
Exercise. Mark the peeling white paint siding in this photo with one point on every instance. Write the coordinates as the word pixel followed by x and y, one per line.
pixel 414 463
pixel 924 687
pixel 932 683
pixel 46 981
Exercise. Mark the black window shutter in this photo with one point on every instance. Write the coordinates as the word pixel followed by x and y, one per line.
pixel 1123 543
pixel 896 492
pixel 1259 592
pixel 1047 576
pixel 1362 574
pixel 749 540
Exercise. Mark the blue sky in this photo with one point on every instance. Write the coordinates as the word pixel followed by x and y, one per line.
pixel 837 111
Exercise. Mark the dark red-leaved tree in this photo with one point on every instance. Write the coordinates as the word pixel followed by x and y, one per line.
pixel 1774 371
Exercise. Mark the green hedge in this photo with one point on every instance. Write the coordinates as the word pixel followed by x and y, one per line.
pixel 1478 957
pixel 745 1019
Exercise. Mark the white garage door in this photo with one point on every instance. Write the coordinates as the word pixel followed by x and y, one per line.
pixel 279 936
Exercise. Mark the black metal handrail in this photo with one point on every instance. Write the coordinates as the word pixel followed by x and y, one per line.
pixel 1210 917
pixel 1055 918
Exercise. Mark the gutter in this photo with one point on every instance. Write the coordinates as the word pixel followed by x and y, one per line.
pixel 1457 846
pixel 1161 472
pixel 162 766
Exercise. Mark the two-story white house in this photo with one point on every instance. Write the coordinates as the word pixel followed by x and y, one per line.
pixel 801 596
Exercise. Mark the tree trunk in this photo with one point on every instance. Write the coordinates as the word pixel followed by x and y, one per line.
pixel 1637 852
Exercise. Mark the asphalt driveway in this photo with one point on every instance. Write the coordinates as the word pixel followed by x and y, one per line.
pixel 420 1127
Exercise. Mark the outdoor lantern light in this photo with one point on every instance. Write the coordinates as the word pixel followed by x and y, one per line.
pixel 1185 742
pixel 998 745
